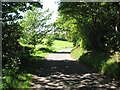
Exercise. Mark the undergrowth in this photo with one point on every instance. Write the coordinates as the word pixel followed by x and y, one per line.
pixel 100 61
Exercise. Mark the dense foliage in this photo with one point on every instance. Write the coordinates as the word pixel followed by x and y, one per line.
pixel 11 49
pixel 35 26
pixel 12 30
pixel 92 25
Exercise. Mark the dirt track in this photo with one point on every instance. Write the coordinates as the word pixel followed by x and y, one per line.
pixel 59 71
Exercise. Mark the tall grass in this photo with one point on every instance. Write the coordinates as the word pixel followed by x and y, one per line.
pixel 110 67
pixel 100 61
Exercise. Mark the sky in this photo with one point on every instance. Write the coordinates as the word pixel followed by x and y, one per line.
pixel 53 6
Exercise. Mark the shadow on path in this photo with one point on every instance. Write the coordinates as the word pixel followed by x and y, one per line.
pixel 70 75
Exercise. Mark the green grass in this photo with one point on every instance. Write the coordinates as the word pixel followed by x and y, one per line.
pixel 94 59
pixel 58 44
pixel 39 53
pixel 16 81
pixel 110 67
pixel 100 61
pixel 31 62
pixel 77 52
pixel 43 50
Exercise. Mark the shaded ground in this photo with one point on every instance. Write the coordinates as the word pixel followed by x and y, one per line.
pixel 60 72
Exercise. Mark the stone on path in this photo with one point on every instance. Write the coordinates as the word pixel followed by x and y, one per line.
pixel 61 72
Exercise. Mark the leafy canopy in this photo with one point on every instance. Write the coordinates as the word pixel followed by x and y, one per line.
pixel 35 26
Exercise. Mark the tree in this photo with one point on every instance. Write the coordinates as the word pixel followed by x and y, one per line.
pixel 11 31
pixel 69 27
pixel 35 26
pixel 94 24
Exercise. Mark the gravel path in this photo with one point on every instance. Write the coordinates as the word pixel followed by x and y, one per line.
pixel 61 72
pixel 60 56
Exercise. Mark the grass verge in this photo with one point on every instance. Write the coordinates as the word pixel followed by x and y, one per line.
pixel 100 61
pixel 77 52
pixel 16 81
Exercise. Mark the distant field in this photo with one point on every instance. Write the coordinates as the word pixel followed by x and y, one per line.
pixel 57 45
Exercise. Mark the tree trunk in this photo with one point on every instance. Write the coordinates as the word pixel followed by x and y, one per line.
pixel 94 41
pixel 34 41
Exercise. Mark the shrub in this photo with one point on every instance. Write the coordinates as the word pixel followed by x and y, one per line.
pixel 110 67
pixel 49 41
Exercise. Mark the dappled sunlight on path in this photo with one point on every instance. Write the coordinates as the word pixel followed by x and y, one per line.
pixel 66 74
pixel 73 81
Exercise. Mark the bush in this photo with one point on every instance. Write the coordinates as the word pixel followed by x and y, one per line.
pixel 16 81
pixel 49 41
pixel 110 67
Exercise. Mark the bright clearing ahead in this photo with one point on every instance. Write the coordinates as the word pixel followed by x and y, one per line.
pixel 53 6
